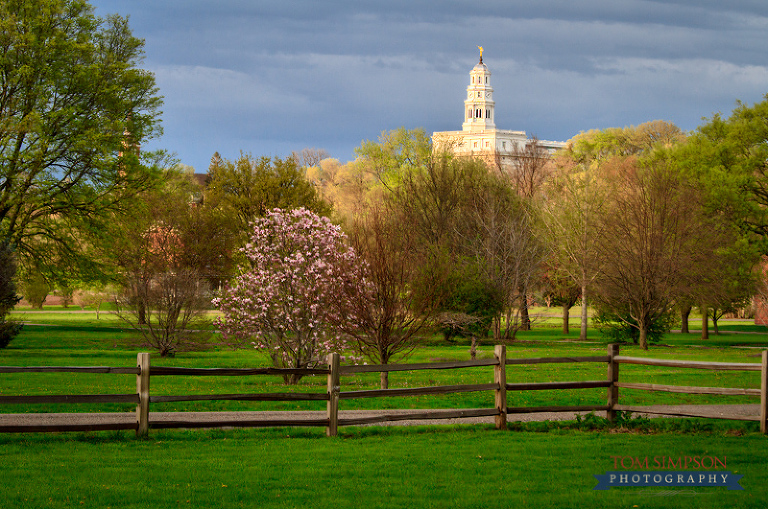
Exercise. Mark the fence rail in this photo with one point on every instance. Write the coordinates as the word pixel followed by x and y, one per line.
pixel 144 371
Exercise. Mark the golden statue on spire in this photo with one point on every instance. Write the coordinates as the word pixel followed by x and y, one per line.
pixel 481 53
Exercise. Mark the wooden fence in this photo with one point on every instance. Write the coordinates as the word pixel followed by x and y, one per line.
pixel 333 371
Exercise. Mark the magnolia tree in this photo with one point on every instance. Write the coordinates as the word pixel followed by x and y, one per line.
pixel 301 270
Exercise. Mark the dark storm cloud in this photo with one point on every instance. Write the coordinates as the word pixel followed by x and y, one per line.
pixel 271 77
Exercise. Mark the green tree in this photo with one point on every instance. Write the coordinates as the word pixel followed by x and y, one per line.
pixel 35 289
pixel 396 151
pixel 655 241
pixel 573 201
pixel 247 188
pixel 727 157
pixel 730 156
pixel 172 255
pixel 73 108
pixel 8 297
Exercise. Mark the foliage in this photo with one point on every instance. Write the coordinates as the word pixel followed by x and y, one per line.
pixel 560 290
pixel 472 304
pixel 35 289
pixel 8 297
pixel 571 204
pixel 350 187
pixel 246 189
pixel 95 295
pixel 396 152
pixel 286 303
pixel 658 240
pixel 388 308
pixel 74 108
pixel 728 156
pixel 499 232
pixel 622 327
pixel 172 255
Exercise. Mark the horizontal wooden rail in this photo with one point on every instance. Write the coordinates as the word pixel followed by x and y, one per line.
pixel 58 428
pixel 378 368
pixel 717 366
pixel 69 398
pixel 549 386
pixel 273 396
pixel 685 413
pixel 170 371
pixel 728 391
pixel 557 408
pixel 69 369
pixel 557 360
pixel 416 391
pixel 418 416
pixel 257 423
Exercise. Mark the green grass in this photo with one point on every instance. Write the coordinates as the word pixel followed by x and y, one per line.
pixel 532 465
pixel 69 341
pixel 366 467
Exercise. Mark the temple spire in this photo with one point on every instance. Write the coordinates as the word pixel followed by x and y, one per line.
pixel 479 104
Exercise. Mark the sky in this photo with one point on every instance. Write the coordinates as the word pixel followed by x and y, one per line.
pixel 271 77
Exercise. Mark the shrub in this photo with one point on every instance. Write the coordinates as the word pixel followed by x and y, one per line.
pixel 620 327
pixel 36 290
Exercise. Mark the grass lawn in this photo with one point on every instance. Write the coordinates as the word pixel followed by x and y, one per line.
pixel 366 467
pixel 532 465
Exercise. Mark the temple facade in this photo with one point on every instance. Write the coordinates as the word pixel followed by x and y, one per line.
pixel 479 136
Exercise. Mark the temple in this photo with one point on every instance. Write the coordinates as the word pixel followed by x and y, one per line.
pixel 479 136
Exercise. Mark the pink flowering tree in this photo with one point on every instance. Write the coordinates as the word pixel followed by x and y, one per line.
pixel 301 270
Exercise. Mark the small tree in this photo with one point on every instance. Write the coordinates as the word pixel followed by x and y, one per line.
pixel 285 304
pixel 171 256
pixel 94 295
pixel 384 312
pixel 174 302
pixel 36 289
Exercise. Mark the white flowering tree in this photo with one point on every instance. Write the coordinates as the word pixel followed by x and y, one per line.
pixel 301 270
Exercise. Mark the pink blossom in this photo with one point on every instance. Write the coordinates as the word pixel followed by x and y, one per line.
pixel 299 264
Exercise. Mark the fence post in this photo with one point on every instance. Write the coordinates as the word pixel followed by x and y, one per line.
pixel 142 388
pixel 334 387
pixel 764 394
pixel 500 378
pixel 613 378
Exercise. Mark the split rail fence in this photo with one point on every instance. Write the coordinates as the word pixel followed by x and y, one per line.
pixel 332 420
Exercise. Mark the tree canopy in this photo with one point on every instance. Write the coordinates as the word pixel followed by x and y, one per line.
pixel 74 107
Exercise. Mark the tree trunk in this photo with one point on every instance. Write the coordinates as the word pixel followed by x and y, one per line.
pixel 142 314
pixel 643 336
pixel 384 379
pixel 525 319
pixel 566 317
pixel 704 322
pixel 684 314
pixel 583 334
pixel 291 379
pixel 714 322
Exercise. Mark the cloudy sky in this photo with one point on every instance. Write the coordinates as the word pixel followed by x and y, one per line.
pixel 271 77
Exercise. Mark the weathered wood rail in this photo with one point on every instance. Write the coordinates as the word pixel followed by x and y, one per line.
pixel 333 371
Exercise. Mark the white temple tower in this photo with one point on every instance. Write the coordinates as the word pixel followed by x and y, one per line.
pixel 478 107
pixel 479 136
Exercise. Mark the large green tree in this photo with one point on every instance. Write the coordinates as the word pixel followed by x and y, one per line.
pixel 247 188
pixel 74 108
